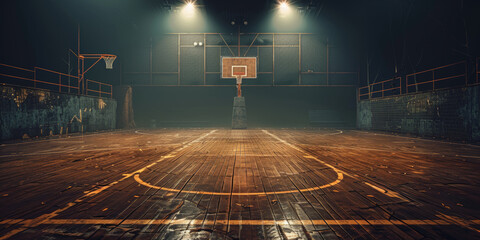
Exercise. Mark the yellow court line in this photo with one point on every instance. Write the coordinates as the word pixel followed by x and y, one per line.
pixel 339 178
pixel 389 193
pixel 352 222
pixel 45 218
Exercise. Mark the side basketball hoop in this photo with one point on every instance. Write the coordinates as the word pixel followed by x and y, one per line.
pixel 109 61
pixel 108 58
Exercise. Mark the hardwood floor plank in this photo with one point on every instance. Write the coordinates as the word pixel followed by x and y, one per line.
pixel 246 184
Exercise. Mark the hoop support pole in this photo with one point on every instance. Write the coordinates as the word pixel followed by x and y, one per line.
pixel 98 60
pixel 239 86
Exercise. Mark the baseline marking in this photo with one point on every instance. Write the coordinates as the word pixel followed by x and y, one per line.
pixel 354 222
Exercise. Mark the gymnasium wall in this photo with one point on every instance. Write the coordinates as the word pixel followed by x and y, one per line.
pixel 29 113
pixel 451 114
pixel 283 59
pixel 266 106
pixel 177 84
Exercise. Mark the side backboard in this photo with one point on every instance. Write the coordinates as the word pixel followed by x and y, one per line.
pixel 244 67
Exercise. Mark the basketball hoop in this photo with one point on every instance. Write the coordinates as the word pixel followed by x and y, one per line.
pixel 239 77
pixel 239 72
pixel 108 58
pixel 109 61
pixel 239 80
pixel 239 68
pixel 235 67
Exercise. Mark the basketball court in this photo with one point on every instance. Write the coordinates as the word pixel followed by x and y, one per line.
pixel 220 183
pixel 159 119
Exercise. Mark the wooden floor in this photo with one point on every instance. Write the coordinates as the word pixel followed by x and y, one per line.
pixel 239 184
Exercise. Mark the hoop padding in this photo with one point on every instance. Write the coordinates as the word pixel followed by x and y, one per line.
pixel 109 62
pixel 232 67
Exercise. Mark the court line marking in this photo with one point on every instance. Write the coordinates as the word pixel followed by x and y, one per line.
pixel 338 131
pixel 85 150
pixel 395 151
pixel 46 217
pixel 459 221
pixel 456 221
pixel 338 180
pixel 388 192
pixel 306 155
pixel 354 222
pixel 416 138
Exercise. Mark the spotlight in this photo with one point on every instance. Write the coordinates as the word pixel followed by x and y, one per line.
pixel 189 9
pixel 245 22
pixel 189 6
pixel 232 22
pixel 195 44
pixel 284 7
pixel 200 44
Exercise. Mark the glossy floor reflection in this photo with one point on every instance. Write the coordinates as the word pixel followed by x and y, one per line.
pixel 239 184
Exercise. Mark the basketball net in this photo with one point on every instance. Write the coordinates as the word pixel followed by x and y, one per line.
pixel 109 62
pixel 239 74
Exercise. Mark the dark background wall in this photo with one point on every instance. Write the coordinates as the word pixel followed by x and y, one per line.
pixel 391 37
pixel 283 59
pixel 451 114
pixel 266 106
pixel 381 38
pixel 292 69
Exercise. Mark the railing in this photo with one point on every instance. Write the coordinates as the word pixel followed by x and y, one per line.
pixel 389 87
pixel 99 89
pixel 46 74
pixel 41 78
pixel 423 81
pixel 364 93
pixel 435 78
pixel 16 75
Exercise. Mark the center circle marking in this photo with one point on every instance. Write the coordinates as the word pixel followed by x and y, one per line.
pixel 338 180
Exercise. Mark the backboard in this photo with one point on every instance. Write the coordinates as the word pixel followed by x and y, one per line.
pixel 239 67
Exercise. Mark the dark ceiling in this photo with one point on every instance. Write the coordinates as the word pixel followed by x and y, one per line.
pixel 392 35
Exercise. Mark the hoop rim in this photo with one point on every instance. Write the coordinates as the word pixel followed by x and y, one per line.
pixel 96 56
